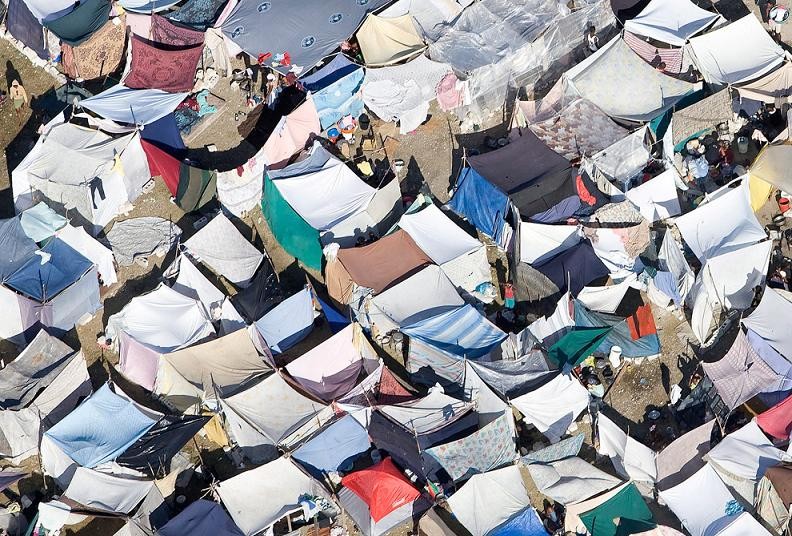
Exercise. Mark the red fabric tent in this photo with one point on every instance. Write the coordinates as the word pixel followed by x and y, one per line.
pixel 391 391
pixel 162 164
pixel 777 421
pixel 382 487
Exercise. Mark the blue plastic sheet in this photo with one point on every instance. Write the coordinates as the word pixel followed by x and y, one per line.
pixel 619 335
pixel 462 331
pixel 201 518
pixel 164 133
pixel 49 272
pixel 41 222
pixel 24 26
pixel 480 202
pixel 133 106
pixel 523 523
pixel 334 447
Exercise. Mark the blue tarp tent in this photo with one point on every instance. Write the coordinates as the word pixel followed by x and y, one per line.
pixel 101 428
pixel 336 320
pixel 524 523
pixel 336 445
pixel 41 222
pixel 462 331
pixel 133 106
pixel 16 246
pixel 164 133
pixel 619 335
pixel 49 272
pixel 289 322
pixel 201 518
pixel 335 89
pixel 480 202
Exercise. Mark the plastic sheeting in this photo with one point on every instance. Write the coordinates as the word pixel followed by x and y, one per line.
pixel 671 22
pixel 775 87
pixel 540 242
pixel 91 249
pixel 289 322
pixel 623 85
pixel 737 52
pixel 335 90
pixel 767 321
pixel 41 222
pixel 222 247
pixel 553 406
pixel 388 40
pixel 570 480
pixel 630 458
pixel 525 523
pixel 462 331
pixel 201 518
pixel 489 499
pixel 81 22
pixel 627 505
pixel 106 493
pixel 746 454
pixel 777 421
pixel 657 198
pixel 151 453
pixel 481 203
pixel 306 31
pixel 335 448
pixel 17 247
pixel 133 106
pixel 142 237
pixel 437 235
pixel 49 272
pixel 430 16
pixel 101 428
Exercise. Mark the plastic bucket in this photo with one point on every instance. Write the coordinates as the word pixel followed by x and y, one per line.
pixel 742 145
pixel 783 204
pixel 615 356
pixel 333 134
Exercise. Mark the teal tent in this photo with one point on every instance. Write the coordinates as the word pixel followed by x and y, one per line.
pixel 627 508
pixel 577 345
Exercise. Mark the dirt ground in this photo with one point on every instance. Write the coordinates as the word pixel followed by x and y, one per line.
pixel 432 156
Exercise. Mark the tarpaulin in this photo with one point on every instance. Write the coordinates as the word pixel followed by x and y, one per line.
pixel 569 479
pixel 335 90
pixel 767 321
pixel 746 453
pixel 161 164
pixel 388 40
pixel 437 235
pixel 628 506
pixel 133 106
pixel 431 16
pixel 525 523
pixel 17 247
pixel 23 25
pixel 143 236
pixel 41 222
pixel 289 322
pixel 197 187
pixel 378 265
pixel 152 452
pixel 306 31
pixel 49 272
pixel 620 334
pixel 79 24
pixel 512 378
pixel 398 442
pixel 480 202
pixel 201 518
pixel 164 133
pixel 539 242
pixel 99 56
pixel 462 331
pixel 166 33
pixel 147 6
pixel 777 421
pixel 671 21
pixel 262 294
pixel 554 406
pixel 382 487
pixel 657 198
pixel 577 345
pixel 291 134
pixel 683 457
pixel 171 70
pixel 432 419
pixel 578 265
pixel 630 458
pixel 336 447
pixel 775 87
pixel 198 14
pixel 293 233
pixel 49 9
pixel 101 428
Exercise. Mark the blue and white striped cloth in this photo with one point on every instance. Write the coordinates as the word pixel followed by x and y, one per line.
pixel 462 331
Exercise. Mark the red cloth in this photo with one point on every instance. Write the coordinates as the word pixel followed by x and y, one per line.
pixel 777 421
pixel 162 164
pixel 165 32
pixel 583 192
pixel 390 390
pixel 382 487
pixel 642 323
pixel 157 68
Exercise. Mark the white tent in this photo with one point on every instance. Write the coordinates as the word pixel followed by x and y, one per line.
pixel 388 40
pixel 489 499
pixel 222 248
pixel 287 322
pixel 769 321
pixel 608 298
pixel 625 158
pixel 700 502
pixel 555 325
pixel 746 453
pixel 258 498
pixel 570 480
pixel 553 406
pixel 671 21
pixel 738 52
pixel 724 223
pixel 427 414
pixel 92 250
pixel 89 173
pixel 540 241
pixel 421 296
pixel 657 199
pixel 630 458
pixel 437 235
pixel 107 493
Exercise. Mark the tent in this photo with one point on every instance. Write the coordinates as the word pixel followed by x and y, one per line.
pixel 55 287
pixel 198 14
pixel 289 322
pixel 772 162
pixel 221 247
pixel 463 331
pixel 23 25
pixel 274 27
pixel 380 497
pixel 335 90
pixel 97 57
pixel 683 457
pixel 201 518
pixel 80 23
pixel 93 250
pixel 41 222
pixel 704 115
pixel 672 22
pixel 88 172
pixel 675 277
pixel 103 493
pixel 133 106
pixel 766 320
pixel 220 366
pixel 152 324
pixel 16 245
pixel 291 134
pixel 773 87
pixel 102 427
pixel 570 480
pixel 388 40
pixel 777 421
pixel 486 449
pixel 636 334
pixel 549 329
pixel 429 15
pixel 335 448
pixel 577 345
pixel 554 406
pixel 623 85
pixel 706 238
pixel 540 242
pixel 375 266
pixel 657 198
pixel 702 503
pixel 258 498
pixel 262 293
pixel 630 458
pixel 722 55
pixel 571 270
pixel 627 505
pixel 330 369
pixel 623 160
pixel 489 499
pixel 745 454
pixel 512 378
pixel 481 203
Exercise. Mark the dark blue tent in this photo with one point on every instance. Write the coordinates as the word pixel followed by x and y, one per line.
pixel 164 133
pixel 49 271
pixel 24 26
pixel 201 518
pixel 480 202
pixel 526 522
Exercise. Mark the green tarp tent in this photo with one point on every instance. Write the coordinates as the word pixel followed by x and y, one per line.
pixel 196 187
pixel 624 513
pixel 291 231
pixel 577 345
pixel 78 25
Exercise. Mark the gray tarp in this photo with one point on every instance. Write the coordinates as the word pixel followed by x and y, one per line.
pixel 307 30
pixel 517 377
pixel 570 480
pixel 683 457
pixel 141 237
pixel 15 245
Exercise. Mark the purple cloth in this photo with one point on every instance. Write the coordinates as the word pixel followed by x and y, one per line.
pixel 24 26
pixel 578 266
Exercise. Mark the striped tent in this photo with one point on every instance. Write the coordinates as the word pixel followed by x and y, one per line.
pixel 462 331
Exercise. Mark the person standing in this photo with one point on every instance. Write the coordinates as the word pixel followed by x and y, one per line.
pixel 19 98
pixel 764 10
pixel 592 41
pixel 778 17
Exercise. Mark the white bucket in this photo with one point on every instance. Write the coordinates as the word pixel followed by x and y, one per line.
pixel 742 145
pixel 615 356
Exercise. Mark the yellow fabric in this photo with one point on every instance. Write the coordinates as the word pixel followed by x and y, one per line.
pixel 384 41
pixel 760 192
pixel 215 433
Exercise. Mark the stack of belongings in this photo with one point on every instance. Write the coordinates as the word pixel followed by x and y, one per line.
pixel 319 200
pixel 334 88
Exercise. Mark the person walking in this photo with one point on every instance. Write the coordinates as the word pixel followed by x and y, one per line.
pixel 19 97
